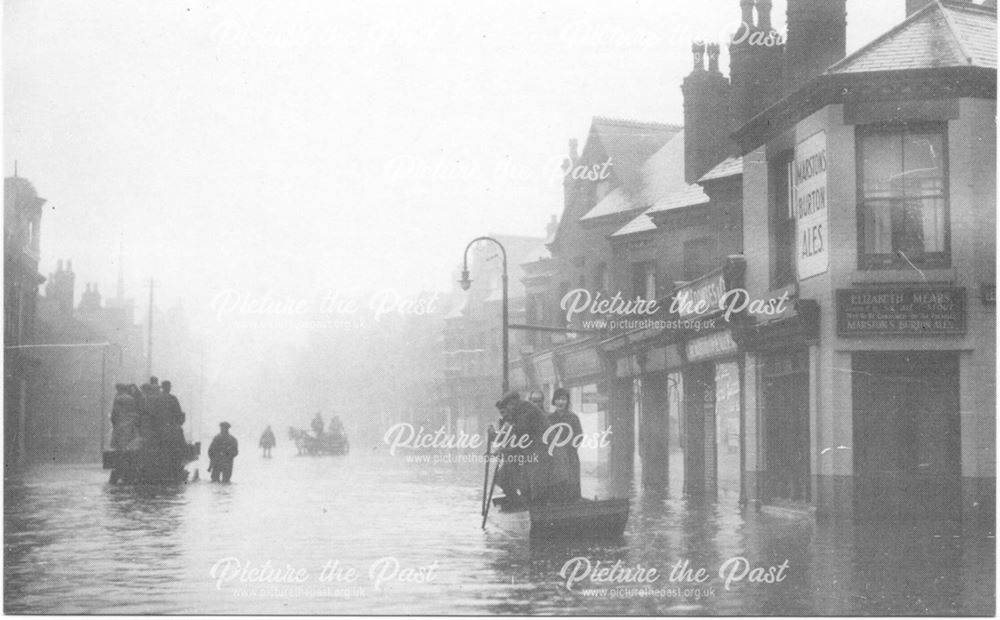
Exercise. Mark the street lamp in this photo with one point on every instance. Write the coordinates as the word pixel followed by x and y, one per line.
pixel 465 282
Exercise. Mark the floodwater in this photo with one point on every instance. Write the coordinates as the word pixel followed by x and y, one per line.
pixel 370 533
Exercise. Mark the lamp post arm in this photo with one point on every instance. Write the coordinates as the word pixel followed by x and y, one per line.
pixel 506 342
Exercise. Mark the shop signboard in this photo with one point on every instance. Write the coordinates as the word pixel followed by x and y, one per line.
pixel 582 363
pixel 809 206
pixel 902 311
pixel 718 344
pixel 701 296
pixel 545 370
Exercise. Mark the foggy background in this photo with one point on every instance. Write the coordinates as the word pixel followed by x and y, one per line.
pixel 297 150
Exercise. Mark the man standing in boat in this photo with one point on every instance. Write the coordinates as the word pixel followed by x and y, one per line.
pixel 221 454
pixel 537 398
pixel 523 475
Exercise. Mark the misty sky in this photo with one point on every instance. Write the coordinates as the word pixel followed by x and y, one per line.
pixel 297 147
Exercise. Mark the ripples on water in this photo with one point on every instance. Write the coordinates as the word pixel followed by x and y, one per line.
pixel 74 544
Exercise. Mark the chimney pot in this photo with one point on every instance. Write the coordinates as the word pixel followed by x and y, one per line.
pixel 764 15
pixel 713 57
pixel 746 6
pixel 698 51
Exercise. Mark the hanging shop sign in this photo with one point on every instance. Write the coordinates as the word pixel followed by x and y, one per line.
pixel 809 206
pixel 581 363
pixel 545 370
pixel 518 378
pixel 901 311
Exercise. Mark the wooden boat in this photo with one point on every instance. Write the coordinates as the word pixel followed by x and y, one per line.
pixel 583 518
pixel 150 465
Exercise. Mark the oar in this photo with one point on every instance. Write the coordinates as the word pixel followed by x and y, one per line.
pixel 489 498
pixel 486 472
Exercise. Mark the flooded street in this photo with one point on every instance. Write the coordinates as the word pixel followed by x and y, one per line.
pixel 370 534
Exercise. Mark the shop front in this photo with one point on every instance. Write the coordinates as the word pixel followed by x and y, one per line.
pixel 906 414
pixel 581 371
pixel 679 388
pixel 779 423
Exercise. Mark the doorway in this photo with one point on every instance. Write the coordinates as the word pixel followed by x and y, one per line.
pixel 786 427
pixel 907 436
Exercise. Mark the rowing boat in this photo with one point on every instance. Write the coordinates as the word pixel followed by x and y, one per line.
pixel 583 518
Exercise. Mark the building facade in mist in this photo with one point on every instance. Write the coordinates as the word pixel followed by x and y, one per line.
pixel 84 349
pixel 855 199
pixel 22 228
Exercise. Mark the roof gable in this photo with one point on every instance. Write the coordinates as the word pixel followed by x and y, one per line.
pixel 942 34
pixel 629 144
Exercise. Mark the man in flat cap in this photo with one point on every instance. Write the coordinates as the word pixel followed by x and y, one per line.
pixel 525 463
pixel 221 454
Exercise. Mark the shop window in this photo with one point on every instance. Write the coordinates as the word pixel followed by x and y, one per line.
pixel 644 280
pixel 782 221
pixel 699 257
pixel 903 196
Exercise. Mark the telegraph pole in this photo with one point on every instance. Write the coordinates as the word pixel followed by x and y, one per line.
pixel 149 344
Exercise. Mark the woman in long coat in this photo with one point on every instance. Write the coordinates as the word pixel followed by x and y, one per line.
pixel 565 478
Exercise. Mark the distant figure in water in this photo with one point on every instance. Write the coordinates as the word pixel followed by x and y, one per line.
pixel 336 427
pixel 221 454
pixel 267 441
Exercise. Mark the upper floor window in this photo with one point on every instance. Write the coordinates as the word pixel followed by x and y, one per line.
pixel 644 280
pixel 903 196
pixel 601 278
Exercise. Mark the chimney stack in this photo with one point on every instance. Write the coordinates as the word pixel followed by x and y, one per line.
pixel 817 38
pixel 707 119
pixel 567 167
pixel 755 63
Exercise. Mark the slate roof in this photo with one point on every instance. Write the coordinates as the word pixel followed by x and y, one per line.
pixel 944 33
pixel 661 176
pixel 630 143
pixel 617 201
pixel 728 167
pixel 687 196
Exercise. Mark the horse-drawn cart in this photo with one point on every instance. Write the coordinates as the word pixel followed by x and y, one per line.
pixel 323 444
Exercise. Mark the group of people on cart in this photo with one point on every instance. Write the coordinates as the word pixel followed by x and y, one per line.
pixel 534 470
pixel 147 416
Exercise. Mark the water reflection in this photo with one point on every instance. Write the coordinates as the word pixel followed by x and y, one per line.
pixel 77 545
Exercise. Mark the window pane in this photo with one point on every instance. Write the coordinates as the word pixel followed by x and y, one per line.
pixel 934 224
pixel 878 227
pixel 922 163
pixel 882 166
